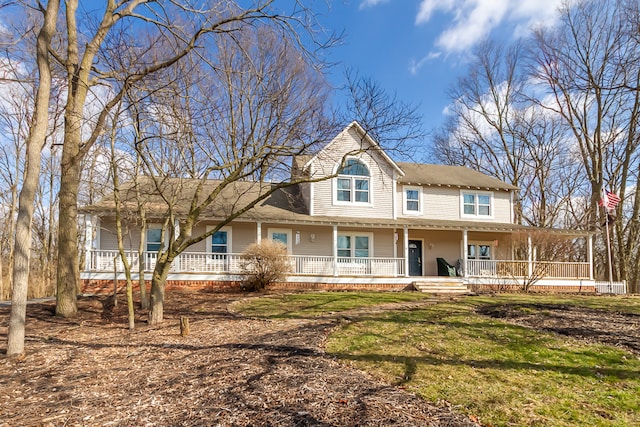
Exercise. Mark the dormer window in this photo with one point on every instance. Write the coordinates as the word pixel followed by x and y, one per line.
pixel 352 183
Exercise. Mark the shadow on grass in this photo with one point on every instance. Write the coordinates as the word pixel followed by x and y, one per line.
pixel 412 364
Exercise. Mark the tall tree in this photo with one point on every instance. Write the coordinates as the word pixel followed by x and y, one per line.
pixel 240 115
pixel 588 65
pixel 34 143
pixel 179 27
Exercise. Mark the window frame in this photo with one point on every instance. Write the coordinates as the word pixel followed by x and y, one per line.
pixel 405 200
pixel 353 235
pixel 161 243
pixel 353 181
pixel 287 231
pixel 476 204
pixel 209 241
pixel 477 245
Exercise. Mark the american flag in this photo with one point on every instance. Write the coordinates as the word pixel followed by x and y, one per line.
pixel 609 200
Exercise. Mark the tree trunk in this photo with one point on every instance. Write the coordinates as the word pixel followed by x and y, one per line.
pixel 68 263
pixel 35 142
pixel 158 282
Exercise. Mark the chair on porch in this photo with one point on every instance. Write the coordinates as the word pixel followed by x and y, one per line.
pixel 445 269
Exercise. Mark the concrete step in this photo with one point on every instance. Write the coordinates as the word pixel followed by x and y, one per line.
pixel 441 287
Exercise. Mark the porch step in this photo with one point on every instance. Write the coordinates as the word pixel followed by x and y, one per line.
pixel 448 287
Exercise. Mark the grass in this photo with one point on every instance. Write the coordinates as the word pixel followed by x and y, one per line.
pixel 304 305
pixel 502 373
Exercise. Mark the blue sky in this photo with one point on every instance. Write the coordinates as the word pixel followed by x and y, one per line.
pixel 417 48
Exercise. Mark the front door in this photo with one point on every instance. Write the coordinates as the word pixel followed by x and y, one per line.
pixel 415 257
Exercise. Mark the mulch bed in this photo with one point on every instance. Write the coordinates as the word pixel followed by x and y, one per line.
pixel 229 371
pixel 594 326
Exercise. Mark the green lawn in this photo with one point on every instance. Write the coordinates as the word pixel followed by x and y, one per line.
pixel 501 373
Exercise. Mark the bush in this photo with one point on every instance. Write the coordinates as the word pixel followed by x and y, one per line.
pixel 264 263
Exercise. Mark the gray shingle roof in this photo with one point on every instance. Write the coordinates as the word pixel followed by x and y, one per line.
pixel 449 176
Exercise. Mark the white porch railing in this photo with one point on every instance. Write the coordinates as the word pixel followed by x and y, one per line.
pixel 199 262
pixel 619 288
pixel 541 269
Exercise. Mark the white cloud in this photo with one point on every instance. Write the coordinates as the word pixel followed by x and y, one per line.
pixel 371 3
pixel 414 66
pixel 473 20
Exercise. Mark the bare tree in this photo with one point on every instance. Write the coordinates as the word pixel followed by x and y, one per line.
pixel 588 65
pixel 239 116
pixel 395 124
pixel 494 127
pixel 176 25
pixel 34 143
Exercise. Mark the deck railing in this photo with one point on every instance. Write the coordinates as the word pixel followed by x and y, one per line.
pixel 199 262
pixel 519 269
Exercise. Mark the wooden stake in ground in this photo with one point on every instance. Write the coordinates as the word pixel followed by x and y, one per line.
pixel 184 326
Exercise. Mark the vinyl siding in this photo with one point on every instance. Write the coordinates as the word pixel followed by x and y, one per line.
pixel 444 203
pixel 381 183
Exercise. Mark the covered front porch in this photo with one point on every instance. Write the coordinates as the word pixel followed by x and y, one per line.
pixel 401 252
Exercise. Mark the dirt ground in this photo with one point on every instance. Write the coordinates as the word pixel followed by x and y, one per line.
pixel 616 329
pixel 229 371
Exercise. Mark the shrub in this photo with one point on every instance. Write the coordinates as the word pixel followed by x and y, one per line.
pixel 264 263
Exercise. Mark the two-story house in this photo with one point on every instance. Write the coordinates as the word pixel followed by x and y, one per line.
pixel 375 223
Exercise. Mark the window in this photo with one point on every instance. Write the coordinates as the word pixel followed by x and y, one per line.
pixel 479 251
pixel 352 184
pixel 412 200
pixel 154 239
pixel 476 204
pixel 282 235
pixel 219 242
pixel 357 246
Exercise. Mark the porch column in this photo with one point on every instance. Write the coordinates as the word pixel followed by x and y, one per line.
pixel 465 253
pixel 590 254
pixel 88 241
pixel 529 256
pixel 405 243
pixel 258 232
pixel 335 250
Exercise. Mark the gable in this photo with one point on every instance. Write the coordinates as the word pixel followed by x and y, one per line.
pixel 353 141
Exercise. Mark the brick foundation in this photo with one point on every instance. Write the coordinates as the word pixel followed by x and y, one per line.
pixel 102 286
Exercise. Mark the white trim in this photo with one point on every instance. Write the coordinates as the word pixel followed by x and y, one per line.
pixel 351 233
pixel 286 231
pixel 155 226
pixel 368 138
pixel 405 211
pixel 209 239
pixel 352 188
pixel 477 243
pixel 477 215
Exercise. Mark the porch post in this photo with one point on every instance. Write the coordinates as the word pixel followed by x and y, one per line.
pixel 465 253
pixel 258 232
pixel 405 244
pixel 590 254
pixel 335 250
pixel 529 256
pixel 88 241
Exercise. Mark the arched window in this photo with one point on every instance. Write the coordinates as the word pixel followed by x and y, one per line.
pixel 352 184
